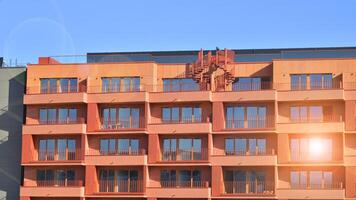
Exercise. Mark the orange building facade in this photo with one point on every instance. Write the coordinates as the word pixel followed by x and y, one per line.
pixel 191 125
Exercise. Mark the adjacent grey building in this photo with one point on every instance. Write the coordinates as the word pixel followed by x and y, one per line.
pixel 12 86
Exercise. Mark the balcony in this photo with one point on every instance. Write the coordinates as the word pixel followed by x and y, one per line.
pixel 180 189
pixel 56 127
pixel 245 158
pixel 320 91
pixel 185 156
pixel 317 191
pixel 131 187
pixel 249 188
pixel 34 95
pixel 178 93
pixel 117 157
pixel 253 124
pixel 247 92
pixel 123 125
pixel 54 188
pixel 100 94
pixel 325 124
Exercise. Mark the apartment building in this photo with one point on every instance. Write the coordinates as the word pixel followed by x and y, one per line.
pixel 222 124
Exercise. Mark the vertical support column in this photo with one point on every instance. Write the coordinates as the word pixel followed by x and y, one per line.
pixel 153 148
pixel 283 148
pixel 91 180
pixel 216 180
pixel 28 148
pixel 147 114
pixel 218 116
pixel 210 146
pixel 93 117
pixel 84 146
pixel 350 117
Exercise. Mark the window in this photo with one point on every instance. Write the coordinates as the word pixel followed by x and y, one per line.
pixel 245 146
pixel 57 149
pixel 120 84
pixel 298 81
pixel 180 84
pixel 119 146
pixel 299 114
pixel 58 115
pixel 246 117
pixel 181 114
pixel 249 84
pixel 122 180
pixel 57 177
pixel 187 148
pixel 240 181
pixel 311 179
pixel 311 149
pixel 181 178
pixel 115 118
pixel 61 85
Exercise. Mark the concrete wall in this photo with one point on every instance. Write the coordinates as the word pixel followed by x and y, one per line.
pixel 12 85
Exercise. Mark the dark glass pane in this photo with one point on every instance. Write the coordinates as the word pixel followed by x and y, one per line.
pixel 166 114
pixel 43 116
pixel 135 145
pixel 53 85
pixel 73 85
pixel 104 146
pixel 62 115
pixel 64 85
pixel 44 86
pixel 73 114
pixel 105 83
pixel 197 115
pixel 61 149
pixel 315 81
pixel 229 147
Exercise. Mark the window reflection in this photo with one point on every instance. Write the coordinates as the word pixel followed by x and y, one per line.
pixel 179 84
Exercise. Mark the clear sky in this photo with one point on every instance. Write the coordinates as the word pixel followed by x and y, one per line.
pixel 33 28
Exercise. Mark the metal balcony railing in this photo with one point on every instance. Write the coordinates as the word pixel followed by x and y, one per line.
pixel 315 85
pixel 254 152
pixel 249 187
pixel 121 186
pixel 265 85
pixel 123 124
pixel 252 123
pixel 121 88
pixel 180 155
pixel 63 155
pixel 79 120
pixel 318 119
pixel 318 186
pixel 117 152
pixel 185 184
pixel 56 90
pixel 59 183
pixel 184 120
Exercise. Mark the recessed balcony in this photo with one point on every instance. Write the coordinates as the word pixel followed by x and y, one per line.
pixel 117 157
pixel 34 95
pixel 180 189
pixel 59 157
pixel 197 155
pixel 54 188
pixel 128 187
pixel 75 126
pixel 265 123
pixel 123 125
pixel 249 188
pixel 316 191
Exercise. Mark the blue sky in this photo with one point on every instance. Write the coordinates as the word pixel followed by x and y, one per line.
pixel 33 28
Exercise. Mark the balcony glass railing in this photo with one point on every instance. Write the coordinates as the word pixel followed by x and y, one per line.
pixel 249 187
pixel 121 186
pixel 181 155
pixel 240 86
pixel 117 152
pixel 254 152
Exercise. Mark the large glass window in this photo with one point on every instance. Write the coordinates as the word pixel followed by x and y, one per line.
pixel 181 114
pixel 115 118
pixel 311 179
pixel 187 148
pixel 298 81
pixel 181 178
pixel 317 81
pixel 299 114
pixel 245 146
pixel 240 181
pixel 58 115
pixel 120 84
pixel 57 149
pixel 61 85
pixel 122 180
pixel 120 146
pixel 311 149
pixel 179 84
pixel 246 117
pixel 57 177
pixel 247 84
